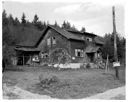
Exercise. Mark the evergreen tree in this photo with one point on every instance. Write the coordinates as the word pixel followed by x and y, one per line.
pixel 23 20
pixel 16 21
pixel 68 25
pixel 39 25
pixel 8 40
pixel 44 24
pixel 35 20
pixel 73 28
pixel 11 20
pixel 64 25
pixel 56 25
pixel 108 47
pixel 83 29
pixel 4 18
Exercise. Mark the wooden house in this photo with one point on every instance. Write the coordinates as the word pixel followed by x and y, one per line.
pixel 76 44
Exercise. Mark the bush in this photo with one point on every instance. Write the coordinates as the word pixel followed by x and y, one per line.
pixel 48 80
pixel 59 55
pixel 84 66
pixel 88 66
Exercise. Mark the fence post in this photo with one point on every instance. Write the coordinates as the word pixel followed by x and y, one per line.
pixel 106 65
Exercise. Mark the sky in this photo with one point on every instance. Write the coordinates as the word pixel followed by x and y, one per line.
pixel 95 17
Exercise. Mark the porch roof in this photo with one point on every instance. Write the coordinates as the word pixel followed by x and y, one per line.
pixel 91 49
pixel 27 49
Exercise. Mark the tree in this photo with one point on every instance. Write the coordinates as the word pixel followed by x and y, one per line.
pixel 8 40
pixel 44 25
pixel 73 28
pixel 11 20
pixel 35 20
pixel 39 25
pixel 16 21
pixel 56 25
pixel 23 20
pixel 4 18
pixel 66 25
pixel 83 29
pixel 108 47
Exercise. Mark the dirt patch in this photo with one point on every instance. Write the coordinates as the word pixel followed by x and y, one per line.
pixel 119 97
pixel 18 93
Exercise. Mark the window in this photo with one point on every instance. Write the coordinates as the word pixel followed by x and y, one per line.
pixel 79 53
pixel 35 58
pixel 44 55
pixel 49 41
pixel 53 40
pixel 89 39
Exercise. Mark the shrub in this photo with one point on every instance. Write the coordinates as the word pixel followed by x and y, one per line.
pixel 59 55
pixel 88 66
pixel 48 80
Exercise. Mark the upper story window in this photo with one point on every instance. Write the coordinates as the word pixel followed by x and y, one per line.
pixel 89 39
pixel 49 41
pixel 53 40
pixel 79 53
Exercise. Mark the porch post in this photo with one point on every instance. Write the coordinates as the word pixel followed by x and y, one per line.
pixel 30 59
pixel 23 59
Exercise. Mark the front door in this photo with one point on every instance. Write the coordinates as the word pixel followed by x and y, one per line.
pixel 90 56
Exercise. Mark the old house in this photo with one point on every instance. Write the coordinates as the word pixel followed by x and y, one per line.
pixel 76 44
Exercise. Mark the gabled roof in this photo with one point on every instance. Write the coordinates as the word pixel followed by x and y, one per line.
pixel 67 34
pixel 61 31
pixel 80 33
pixel 37 36
pixel 33 38
pixel 99 40
pixel 30 36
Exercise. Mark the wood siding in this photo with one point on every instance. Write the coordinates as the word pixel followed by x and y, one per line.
pixel 61 41
pixel 76 45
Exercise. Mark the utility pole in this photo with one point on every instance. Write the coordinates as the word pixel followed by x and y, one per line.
pixel 116 64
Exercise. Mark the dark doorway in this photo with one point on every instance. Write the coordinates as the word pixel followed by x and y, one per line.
pixel 91 56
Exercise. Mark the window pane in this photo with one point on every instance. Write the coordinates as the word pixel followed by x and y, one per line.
pixel 48 41
pixel 53 40
pixel 79 54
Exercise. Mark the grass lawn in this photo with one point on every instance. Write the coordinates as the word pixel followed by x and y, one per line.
pixel 74 83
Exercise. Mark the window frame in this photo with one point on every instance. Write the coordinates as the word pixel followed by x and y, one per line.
pixel 49 41
pixel 53 40
pixel 79 52
pixel 89 39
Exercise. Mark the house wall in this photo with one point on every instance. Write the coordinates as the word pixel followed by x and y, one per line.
pixel 61 42
pixel 76 45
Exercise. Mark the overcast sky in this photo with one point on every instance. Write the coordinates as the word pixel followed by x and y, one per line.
pixel 94 17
